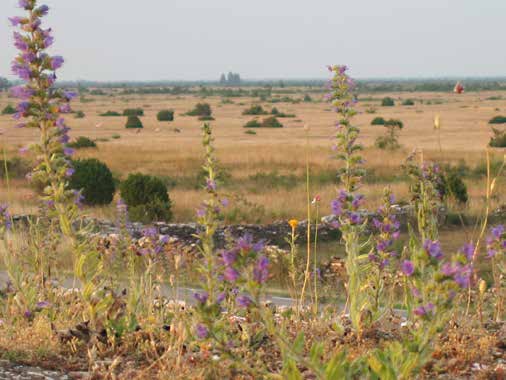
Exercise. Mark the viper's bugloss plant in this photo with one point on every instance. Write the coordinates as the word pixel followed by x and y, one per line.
pixel 496 252
pixel 347 206
pixel 41 106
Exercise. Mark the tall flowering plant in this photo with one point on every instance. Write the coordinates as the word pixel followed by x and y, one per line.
pixel 41 106
pixel 347 206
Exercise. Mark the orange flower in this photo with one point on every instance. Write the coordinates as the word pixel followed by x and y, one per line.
pixel 293 223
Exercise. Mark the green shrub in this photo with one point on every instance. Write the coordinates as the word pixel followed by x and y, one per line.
pixel 82 142
pixel 250 132
pixel 255 110
pixel 455 187
pixel 165 115
pixel 133 112
pixel 79 115
pixel 498 140
pixel 133 122
pixel 307 98
pixel 395 123
pixel 110 113
pixel 387 102
pixel 8 110
pixel 274 111
pixel 252 124
pixel 498 120
pixel 206 118
pixel 408 102
pixel 146 197
pixel 115 136
pixel 370 110
pixel 378 121
pixel 94 179
pixel 390 140
pixel 16 168
pixel 271 122
pixel 200 109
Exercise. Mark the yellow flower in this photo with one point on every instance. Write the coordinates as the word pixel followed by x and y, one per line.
pixel 437 122
pixel 293 223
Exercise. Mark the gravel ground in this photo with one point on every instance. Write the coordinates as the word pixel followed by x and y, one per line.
pixel 10 371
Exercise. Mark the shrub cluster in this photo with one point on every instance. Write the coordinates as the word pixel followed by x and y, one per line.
pixel 133 112
pixel 378 121
pixel 270 122
pixel 255 110
pixel 498 120
pixel 165 115
pixel 200 109
pixel 110 113
pixel 95 181
pixel 79 115
pixel 498 140
pixel 146 197
pixel 408 102
pixel 387 102
pixel 133 122
pixel 8 110
pixel 82 142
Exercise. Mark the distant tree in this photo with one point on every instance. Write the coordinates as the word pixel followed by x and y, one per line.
pixel 387 102
pixel 200 109
pixel 4 84
pixel 223 79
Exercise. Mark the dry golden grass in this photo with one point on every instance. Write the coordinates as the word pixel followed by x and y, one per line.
pixel 159 150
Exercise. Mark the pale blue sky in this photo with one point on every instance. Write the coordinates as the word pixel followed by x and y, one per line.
pixel 199 39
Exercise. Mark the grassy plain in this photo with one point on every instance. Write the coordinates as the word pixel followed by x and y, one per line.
pixel 267 169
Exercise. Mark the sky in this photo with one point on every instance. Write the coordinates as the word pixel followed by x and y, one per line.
pixel 134 40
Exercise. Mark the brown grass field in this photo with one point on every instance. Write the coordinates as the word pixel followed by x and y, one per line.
pixel 158 149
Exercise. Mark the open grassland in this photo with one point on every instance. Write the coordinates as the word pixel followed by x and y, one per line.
pixel 266 171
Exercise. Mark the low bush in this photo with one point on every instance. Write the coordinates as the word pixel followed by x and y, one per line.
pixel 110 113
pixel 147 198
pixel 498 140
pixel 165 115
pixel 8 110
pixel 133 122
pixel 79 115
pixel 133 112
pixel 250 132
pixel 271 122
pixel 307 99
pixel 253 124
pixel 455 187
pixel 82 142
pixel 255 110
pixel 200 109
pixel 378 121
pixel 387 102
pixel 408 102
pixel 94 179
pixel 115 136
pixel 498 120
pixel 15 167
pixel 206 118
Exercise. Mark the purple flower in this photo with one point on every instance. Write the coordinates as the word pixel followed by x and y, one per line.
pixel 68 151
pixel 22 71
pixel 20 42
pixel 224 202
pixel 468 250
pixel 25 4
pixel 448 269
pixel 42 305
pixel 407 268
pixel 201 297
pixel 69 172
pixel 15 21
pixel 150 232
pixel 244 301
pixel 497 231
pixel 221 297
pixel 229 257
pixel 56 62
pixel 423 311
pixel 65 108
pixel 201 212
pixel 210 185
pixel 69 95
pixel 337 207
pixel 355 218
pixel 48 41
pixel 433 248
pixel 261 271
pixel 357 201
pixel 21 92
pixel 42 10
pixel 230 274
pixel 202 331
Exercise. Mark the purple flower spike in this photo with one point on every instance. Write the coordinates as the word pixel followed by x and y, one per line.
pixel 244 301
pixel 407 268
pixel 56 62
pixel 230 274
pixel 202 331
pixel 468 250
pixel 201 297
pixel 261 271
pixel 433 249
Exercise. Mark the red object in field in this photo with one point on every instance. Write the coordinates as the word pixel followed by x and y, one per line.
pixel 459 88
